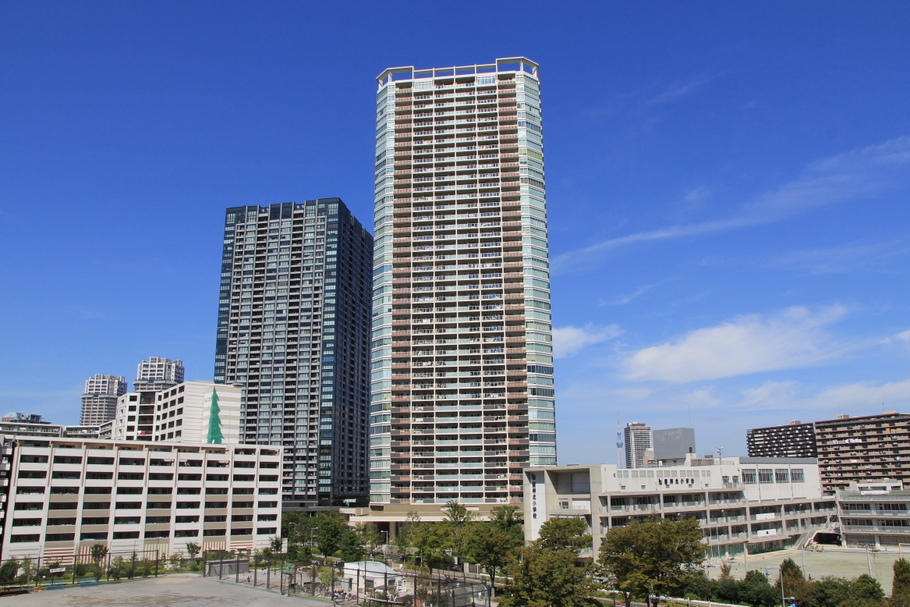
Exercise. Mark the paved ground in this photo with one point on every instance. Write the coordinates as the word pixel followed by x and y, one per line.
pixel 180 590
pixel 837 562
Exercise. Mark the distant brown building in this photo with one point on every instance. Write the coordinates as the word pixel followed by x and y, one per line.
pixel 849 449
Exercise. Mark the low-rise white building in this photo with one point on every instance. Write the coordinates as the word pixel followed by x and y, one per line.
pixel 874 514
pixel 190 412
pixel 752 504
pixel 64 495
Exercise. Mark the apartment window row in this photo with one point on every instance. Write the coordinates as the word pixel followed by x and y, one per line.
pixel 768 476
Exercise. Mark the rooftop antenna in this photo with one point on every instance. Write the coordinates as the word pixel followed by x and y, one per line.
pixel 720 452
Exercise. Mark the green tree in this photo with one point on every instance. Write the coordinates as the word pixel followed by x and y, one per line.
pixel 8 571
pixel 840 592
pixel 456 523
pixel 546 577
pixel 493 543
pixel 350 547
pixel 98 553
pixel 119 567
pixel 756 590
pixel 652 555
pixel 28 571
pixel 794 582
pixel 565 533
pixel 900 586
pixel 275 544
pixel 508 519
pixel 191 549
pixel 298 527
pixel 405 531
pixel 330 529
pixel 431 541
pixel 368 535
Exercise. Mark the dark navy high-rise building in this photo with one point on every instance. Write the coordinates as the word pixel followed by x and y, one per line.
pixel 294 331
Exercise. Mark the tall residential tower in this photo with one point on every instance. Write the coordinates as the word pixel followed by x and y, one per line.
pixel 158 373
pixel 99 401
pixel 462 380
pixel 293 329
pixel 638 440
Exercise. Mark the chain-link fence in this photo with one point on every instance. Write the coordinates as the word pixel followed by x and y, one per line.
pixel 366 583
pixel 86 568
pixel 370 583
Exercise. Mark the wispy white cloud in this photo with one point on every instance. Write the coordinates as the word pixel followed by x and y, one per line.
pixel 790 396
pixel 630 297
pixel 838 260
pixel 855 175
pixel 891 396
pixel 568 341
pixel 796 337
pixel 697 195
pixel 682 89
pixel 769 395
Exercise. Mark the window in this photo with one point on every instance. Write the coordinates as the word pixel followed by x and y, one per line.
pixel 61 521
pixel 29 490
pixel 765 475
pixel 749 477
pixel 796 475
pixel 27 522
pixel 33 474
pixel 157 534
pixel 18 539
pixel 782 476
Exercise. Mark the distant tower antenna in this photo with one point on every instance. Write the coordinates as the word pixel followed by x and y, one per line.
pixel 720 452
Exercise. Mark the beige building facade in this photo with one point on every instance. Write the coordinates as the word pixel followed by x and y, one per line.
pixel 65 495
pixel 741 504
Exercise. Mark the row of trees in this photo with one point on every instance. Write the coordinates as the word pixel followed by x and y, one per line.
pixel 650 558
pixel 461 538
pixel 757 590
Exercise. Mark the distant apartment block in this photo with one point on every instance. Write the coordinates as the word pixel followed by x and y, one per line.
pixel 190 412
pixel 874 515
pixel 793 440
pixel 65 495
pixel 158 373
pixel 637 439
pixel 28 424
pixel 99 401
pixel 294 331
pixel 673 445
pixel 849 449
pixel 741 504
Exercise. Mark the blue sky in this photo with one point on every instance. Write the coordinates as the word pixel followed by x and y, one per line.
pixel 728 188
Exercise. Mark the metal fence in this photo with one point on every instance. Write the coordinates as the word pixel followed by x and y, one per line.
pixel 86 568
pixel 329 580
pixel 321 579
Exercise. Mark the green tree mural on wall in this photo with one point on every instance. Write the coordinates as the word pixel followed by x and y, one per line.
pixel 214 437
